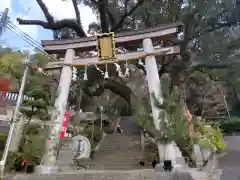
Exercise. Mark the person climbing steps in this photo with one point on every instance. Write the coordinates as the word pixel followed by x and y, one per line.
pixel 119 130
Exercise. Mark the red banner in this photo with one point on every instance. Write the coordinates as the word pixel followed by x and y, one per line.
pixel 65 125
pixel 190 125
pixel 188 114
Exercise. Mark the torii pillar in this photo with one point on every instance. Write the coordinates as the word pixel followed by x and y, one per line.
pixel 48 164
pixel 166 151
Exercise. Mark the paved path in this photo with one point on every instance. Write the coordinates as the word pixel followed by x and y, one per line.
pixel 230 163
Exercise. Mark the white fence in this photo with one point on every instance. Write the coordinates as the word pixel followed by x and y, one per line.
pixel 13 96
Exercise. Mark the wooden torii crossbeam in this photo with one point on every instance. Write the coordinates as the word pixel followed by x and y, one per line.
pixel 120 57
pixel 68 49
pixel 163 32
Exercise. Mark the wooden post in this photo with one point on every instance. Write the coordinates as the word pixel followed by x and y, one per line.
pixel 154 86
pixel 48 164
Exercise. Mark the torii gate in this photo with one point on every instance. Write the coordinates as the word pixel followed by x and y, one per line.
pixel 68 48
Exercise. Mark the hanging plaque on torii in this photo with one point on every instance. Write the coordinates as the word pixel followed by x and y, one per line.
pixel 106 46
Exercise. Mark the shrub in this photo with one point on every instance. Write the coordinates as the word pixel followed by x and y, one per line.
pixel 97 136
pixel 31 149
pixel 11 160
pixel 3 139
pixel 210 137
pixel 229 126
pixel 32 129
pixel 151 152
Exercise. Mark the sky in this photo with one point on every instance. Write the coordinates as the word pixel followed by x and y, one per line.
pixel 29 9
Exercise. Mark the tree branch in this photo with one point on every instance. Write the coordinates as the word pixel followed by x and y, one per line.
pixel 102 9
pixel 45 11
pixel 110 13
pixel 77 13
pixel 114 86
pixel 56 25
pixel 212 65
pixel 111 17
pixel 126 6
pixel 129 13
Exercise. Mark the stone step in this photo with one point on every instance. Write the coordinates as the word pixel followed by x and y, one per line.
pixel 121 143
pixel 121 139
pixel 110 160
pixel 116 165
pixel 123 149
pixel 100 175
pixel 110 167
pixel 124 153
pixel 118 154
pixel 121 136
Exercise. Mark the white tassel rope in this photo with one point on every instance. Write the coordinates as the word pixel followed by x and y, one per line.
pixel 85 78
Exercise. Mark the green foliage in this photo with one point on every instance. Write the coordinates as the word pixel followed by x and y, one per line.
pixel 121 106
pixel 3 138
pixel 95 135
pixel 11 160
pixel 174 124
pixel 230 126
pixel 150 152
pixel 38 85
pixel 210 137
pixel 32 129
pixel 141 111
pixel 37 107
pixel 33 149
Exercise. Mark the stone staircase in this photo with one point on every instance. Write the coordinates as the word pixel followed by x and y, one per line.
pixel 120 151
pixel 64 160
pixel 116 152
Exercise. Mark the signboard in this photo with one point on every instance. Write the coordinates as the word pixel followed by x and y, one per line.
pixel 64 125
pixel 81 147
pixel 106 46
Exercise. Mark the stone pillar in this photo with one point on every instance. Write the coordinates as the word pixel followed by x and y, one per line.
pixel 17 133
pixel 154 86
pixel 142 140
pixel 48 164
pixel 153 80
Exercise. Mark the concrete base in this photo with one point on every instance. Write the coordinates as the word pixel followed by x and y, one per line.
pixel 159 167
pixel 192 174
pixel 46 169
pixel 105 175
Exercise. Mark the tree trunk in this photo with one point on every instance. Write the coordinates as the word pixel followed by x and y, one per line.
pixel 102 8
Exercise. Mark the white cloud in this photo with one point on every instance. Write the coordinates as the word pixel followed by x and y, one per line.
pixel 64 9
pixel 59 10
pixel 30 30
pixel 30 10
pixel 5 4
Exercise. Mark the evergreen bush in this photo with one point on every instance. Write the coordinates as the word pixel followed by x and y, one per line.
pixel 174 125
pixel 230 126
